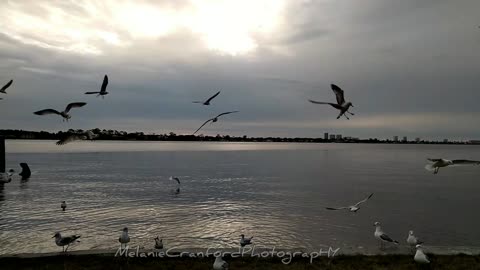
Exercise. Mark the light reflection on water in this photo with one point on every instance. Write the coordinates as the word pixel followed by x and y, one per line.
pixel 275 192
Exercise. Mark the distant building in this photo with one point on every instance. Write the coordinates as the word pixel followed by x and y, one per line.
pixel 339 136
pixel 395 138
pixel 417 139
pixel 332 137
pixel 405 139
pixel 325 135
pixel 445 140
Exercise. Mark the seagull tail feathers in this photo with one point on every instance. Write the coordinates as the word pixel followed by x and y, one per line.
pixel 429 167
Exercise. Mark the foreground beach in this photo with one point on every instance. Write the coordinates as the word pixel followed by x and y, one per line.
pixel 93 261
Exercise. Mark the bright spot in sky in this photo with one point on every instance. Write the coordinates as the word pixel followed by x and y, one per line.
pixel 89 27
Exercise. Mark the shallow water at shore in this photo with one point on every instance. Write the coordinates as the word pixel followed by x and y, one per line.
pixel 274 191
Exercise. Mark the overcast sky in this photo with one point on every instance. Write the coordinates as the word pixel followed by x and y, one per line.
pixel 409 67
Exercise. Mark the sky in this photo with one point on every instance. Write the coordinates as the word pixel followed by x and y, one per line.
pixel 411 68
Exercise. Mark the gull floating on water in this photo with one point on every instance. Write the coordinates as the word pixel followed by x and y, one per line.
pixel 4 88
pixel 215 119
pixel 207 102
pixel 158 243
pixel 63 205
pixel 65 241
pixel 175 178
pixel 88 135
pixel 438 163
pixel 383 237
pixel 64 114
pixel 340 105
pixel 6 177
pixel 420 257
pixel 220 264
pixel 352 208
pixel 103 89
pixel 124 238
pixel 412 240
pixel 245 241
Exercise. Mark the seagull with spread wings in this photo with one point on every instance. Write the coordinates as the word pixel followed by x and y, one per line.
pixel 340 105
pixel 4 88
pixel 207 102
pixel 438 163
pixel 175 179
pixel 88 135
pixel 213 120
pixel 63 114
pixel 352 208
pixel 103 89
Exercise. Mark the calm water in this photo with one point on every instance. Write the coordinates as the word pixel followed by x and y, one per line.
pixel 275 192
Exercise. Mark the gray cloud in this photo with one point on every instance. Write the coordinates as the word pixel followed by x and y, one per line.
pixel 410 68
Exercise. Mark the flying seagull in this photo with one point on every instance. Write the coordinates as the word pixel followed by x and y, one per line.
pixel 220 264
pixel 175 178
pixel 352 208
pixel 207 102
pixel 383 237
pixel 412 240
pixel 340 105
pixel 124 238
pixel 4 88
pixel 420 257
pixel 245 241
pixel 158 243
pixel 63 114
pixel 6 177
pixel 103 89
pixel 88 135
pixel 215 119
pixel 65 241
pixel 440 162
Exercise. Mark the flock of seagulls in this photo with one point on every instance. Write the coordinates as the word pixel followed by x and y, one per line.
pixel 341 104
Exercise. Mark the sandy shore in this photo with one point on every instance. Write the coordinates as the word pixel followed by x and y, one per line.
pixel 197 259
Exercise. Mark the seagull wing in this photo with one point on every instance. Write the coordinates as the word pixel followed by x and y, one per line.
pixel 434 159
pixel 364 200
pixel 339 93
pixel 74 105
pixel 336 208
pixel 90 93
pixel 458 162
pixel 336 106
pixel 387 238
pixel 214 96
pixel 104 84
pixel 176 179
pixel 202 126
pixel 6 86
pixel 227 113
pixel 69 239
pixel 47 111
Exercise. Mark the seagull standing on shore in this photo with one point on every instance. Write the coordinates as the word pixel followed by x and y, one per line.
pixel 438 163
pixel 420 257
pixel 245 241
pixel 352 208
pixel 4 88
pixel 65 116
pixel 381 236
pixel 220 264
pixel 158 243
pixel 340 105
pixel 65 241
pixel 207 102
pixel 412 240
pixel 63 205
pixel 124 238
pixel 215 119
pixel 88 135
pixel 103 89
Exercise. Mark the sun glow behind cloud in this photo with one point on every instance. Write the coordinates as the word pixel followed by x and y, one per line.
pixel 89 27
